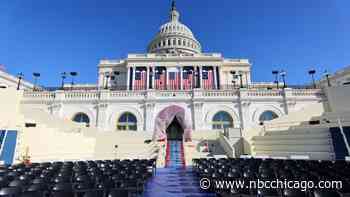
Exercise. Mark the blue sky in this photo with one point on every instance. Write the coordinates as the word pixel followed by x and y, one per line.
pixel 73 35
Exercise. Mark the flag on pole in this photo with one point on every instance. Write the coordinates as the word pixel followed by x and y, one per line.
pixel 207 76
pixel 174 80
pixel 140 80
pixel 187 79
pixel 159 80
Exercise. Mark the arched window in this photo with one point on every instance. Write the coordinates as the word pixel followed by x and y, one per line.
pixel 82 118
pixel 184 43
pixel 267 116
pixel 178 42
pixel 222 120
pixel 174 42
pixel 127 121
pixel 169 42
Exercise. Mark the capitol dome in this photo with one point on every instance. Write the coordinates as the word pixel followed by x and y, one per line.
pixel 174 37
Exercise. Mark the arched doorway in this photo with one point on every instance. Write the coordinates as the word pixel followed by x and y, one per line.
pixel 173 115
pixel 174 130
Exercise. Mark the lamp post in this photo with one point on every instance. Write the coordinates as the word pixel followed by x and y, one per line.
pixel 20 77
pixel 36 76
pixel 63 76
pixel 283 74
pixel 275 73
pixel 240 74
pixel 326 74
pixel 312 73
pixel 107 75
pixel 73 74
pixel 233 73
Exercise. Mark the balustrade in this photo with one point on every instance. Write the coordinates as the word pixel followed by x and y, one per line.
pixel 155 94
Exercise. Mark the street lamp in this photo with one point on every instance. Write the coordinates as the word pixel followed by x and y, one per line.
pixel 234 76
pixel 312 73
pixel 275 72
pixel 326 74
pixel 283 74
pixel 63 76
pixel 36 76
pixel 20 77
pixel 73 74
pixel 240 74
pixel 107 75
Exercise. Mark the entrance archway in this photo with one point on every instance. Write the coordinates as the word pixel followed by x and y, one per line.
pixel 166 117
pixel 174 130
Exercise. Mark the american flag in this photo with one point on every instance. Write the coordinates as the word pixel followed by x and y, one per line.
pixel 140 80
pixel 187 79
pixel 159 80
pixel 174 80
pixel 208 80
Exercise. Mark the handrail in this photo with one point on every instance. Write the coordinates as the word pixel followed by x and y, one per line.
pixel 3 142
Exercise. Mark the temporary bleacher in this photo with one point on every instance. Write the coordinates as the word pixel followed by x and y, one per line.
pixel 316 143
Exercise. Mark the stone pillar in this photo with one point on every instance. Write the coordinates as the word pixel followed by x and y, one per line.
pixel 181 78
pixel 101 115
pixel 197 115
pixel 200 76
pixel 149 117
pixel 215 78
pixel 128 79
pixel 166 78
pixel 133 77
pixel 153 76
pixel 147 78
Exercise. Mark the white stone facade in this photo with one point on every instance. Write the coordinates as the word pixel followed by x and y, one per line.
pixel 104 107
pixel 173 48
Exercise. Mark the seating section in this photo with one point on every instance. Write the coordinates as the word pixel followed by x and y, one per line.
pixel 313 142
pixel 273 169
pixel 79 179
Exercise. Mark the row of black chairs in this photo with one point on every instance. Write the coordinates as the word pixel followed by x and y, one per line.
pixel 100 178
pixel 246 170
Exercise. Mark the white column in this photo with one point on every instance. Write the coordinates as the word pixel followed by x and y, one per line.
pixel 215 77
pixel 133 77
pixel 128 79
pixel 200 76
pixel 181 78
pixel 167 78
pixel 219 76
pixel 147 81
pixel 153 76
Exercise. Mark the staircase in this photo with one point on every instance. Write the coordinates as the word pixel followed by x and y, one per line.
pixel 175 180
pixel 316 143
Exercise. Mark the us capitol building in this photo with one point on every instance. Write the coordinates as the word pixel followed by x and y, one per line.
pixel 174 90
